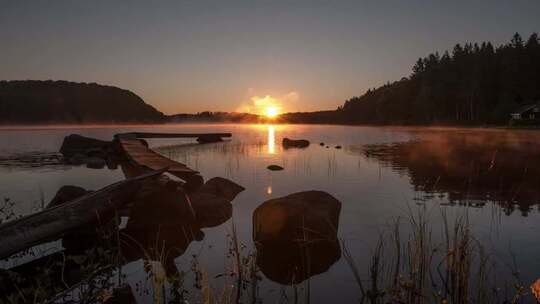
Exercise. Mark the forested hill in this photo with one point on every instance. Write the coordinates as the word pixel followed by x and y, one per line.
pixel 472 84
pixel 33 102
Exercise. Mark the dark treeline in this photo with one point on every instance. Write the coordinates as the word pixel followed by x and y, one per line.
pixel 32 101
pixel 208 116
pixel 472 84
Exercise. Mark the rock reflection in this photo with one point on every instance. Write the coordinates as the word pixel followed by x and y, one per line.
pixel 469 168
pixel 296 236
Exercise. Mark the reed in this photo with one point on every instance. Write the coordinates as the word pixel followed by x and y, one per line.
pixel 421 268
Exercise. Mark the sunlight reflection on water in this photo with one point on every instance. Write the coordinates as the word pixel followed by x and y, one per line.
pixel 271 140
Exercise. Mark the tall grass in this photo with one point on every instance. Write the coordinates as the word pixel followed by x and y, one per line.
pixel 421 268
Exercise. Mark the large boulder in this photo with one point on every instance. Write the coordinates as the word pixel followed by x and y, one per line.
pixel 294 143
pixel 296 236
pixel 75 143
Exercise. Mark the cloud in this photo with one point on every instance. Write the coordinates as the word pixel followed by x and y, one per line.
pixel 257 104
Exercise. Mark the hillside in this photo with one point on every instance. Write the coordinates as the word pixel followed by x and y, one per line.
pixel 474 84
pixel 33 102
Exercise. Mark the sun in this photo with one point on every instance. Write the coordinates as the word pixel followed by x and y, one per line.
pixel 271 112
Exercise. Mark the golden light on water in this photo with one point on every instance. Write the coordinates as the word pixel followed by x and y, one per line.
pixel 271 140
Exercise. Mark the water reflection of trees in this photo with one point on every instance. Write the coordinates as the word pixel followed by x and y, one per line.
pixel 469 168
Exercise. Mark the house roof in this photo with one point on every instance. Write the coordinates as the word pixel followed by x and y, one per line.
pixel 525 108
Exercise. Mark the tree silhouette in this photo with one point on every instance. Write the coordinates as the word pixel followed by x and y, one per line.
pixel 475 84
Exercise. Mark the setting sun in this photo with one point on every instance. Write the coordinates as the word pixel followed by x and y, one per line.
pixel 271 112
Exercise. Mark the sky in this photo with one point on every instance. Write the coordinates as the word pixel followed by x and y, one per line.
pixel 228 55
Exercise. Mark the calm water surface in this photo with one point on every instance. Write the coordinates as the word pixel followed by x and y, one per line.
pixel 493 176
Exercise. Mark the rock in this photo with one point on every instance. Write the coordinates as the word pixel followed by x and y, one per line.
pixel 95 163
pixel 65 194
pixel 338 147
pixel 112 164
pixel 296 236
pixel 210 210
pixel 160 227
pixel 287 218
pixel 321 144
pixel 193 182
pixel 212 202
pixel 96 152
pixel 295 143
pixel 222 187
pixel 209 138
pixel 75 143
pixel 274 168
pixel 77 159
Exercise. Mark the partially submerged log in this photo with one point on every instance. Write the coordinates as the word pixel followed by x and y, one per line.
pixel 51 223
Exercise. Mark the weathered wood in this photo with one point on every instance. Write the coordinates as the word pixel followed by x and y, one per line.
pixel 132 135
pixel 51 223
pixel 146 159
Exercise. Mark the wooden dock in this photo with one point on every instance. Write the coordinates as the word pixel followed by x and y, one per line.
pixel 146 159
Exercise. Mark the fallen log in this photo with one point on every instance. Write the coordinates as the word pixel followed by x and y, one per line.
pixel 52 223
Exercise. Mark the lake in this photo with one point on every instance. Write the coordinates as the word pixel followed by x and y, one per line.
pixel 489 176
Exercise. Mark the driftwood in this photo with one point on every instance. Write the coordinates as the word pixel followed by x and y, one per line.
pixel 51 223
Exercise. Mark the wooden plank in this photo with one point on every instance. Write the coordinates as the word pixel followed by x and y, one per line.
pixel 51 223
pixel 132 135
pixel 142 156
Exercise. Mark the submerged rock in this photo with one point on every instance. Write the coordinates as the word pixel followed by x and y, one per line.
pixel 321 144
pixel 274 168
pixel 295 143
pixel 75 143
pixel 296 236
pixel 338 147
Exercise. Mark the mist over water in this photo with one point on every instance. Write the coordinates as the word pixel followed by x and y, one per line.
pixel 492 176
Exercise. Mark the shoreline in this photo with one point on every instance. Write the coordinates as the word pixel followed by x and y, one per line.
pixel 29 127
